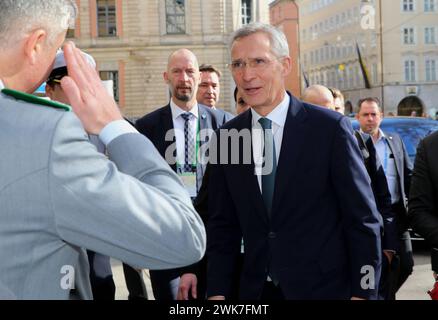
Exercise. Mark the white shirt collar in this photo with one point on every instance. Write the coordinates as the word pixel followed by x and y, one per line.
pixel 381 135
pixel 177 111
pixel 278 115
pixel 2 86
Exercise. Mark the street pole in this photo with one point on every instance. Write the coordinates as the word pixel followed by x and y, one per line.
pixel 381 57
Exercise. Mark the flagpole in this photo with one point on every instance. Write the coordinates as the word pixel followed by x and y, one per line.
pixel 381 58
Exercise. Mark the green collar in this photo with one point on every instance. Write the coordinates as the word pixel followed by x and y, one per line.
pixel 35 100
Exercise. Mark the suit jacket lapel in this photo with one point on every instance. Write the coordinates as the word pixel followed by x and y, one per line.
pixel 166 125
pixel 244 174
pixel 291 148
pixel 398 161
pixel 204 124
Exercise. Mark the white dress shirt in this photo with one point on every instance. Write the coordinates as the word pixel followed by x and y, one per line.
pixel 178 125
pixel 2 86
pixel 388 162
pixel 278 117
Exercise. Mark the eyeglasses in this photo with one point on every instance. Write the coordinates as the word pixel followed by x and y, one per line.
pixel 258 64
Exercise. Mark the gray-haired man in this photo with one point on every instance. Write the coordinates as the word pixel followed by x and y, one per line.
pixel 303 238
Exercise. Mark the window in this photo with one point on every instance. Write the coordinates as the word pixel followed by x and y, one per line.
pixel 349 15
pixel 175 17
pixel 375 73
pixel 357 13
pixel 106 18
pixel 350 77
pixel 408 5
pixel 408 36
pixel 431 70
pixel 114 76
pixel 358 76
pixel 409 70
pixel 246 11
pixel 429 35
pixel 373 40
pixel 429 6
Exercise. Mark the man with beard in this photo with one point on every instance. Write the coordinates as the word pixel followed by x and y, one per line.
pixel 176 131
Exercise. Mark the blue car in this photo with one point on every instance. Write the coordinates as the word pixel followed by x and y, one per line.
pixel 412 130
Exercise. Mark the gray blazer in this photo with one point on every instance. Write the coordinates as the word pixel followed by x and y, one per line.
pixel 58 195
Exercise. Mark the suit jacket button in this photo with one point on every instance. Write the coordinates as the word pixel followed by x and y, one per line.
pixel 272 235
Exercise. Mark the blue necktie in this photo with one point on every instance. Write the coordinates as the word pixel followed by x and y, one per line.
pixel 269 165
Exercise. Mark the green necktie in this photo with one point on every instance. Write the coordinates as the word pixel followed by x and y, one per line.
pixel 269 164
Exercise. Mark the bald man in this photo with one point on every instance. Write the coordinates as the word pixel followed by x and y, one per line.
pixel 187 119
pixel 319 95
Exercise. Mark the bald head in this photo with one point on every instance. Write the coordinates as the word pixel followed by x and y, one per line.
pixel 183 78
pixel 318 95
pixel 182 55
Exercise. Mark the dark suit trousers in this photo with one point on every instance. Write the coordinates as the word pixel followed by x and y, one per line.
pixel 271 292
pixel 163 284
pixel 103 288
pixel 434 259
pixel 395 275
pixel 134 283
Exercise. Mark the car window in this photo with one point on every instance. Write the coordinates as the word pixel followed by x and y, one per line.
pixel 411 131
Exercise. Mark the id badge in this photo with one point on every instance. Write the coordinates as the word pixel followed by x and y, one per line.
pixel 189 181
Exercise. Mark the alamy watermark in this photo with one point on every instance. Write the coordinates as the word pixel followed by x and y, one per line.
pixel 225 146
pixel 368 17
pixel 68 277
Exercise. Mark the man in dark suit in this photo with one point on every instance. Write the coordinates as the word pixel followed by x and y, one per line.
pixel 179 132
pixel 423 198
pixel 379 185
pixel 398 168
pixel 210 89
pixel 299 195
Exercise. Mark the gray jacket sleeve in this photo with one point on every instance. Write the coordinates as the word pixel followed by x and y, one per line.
pixel 133 208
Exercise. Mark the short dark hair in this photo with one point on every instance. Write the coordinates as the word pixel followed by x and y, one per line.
pixel 336 93
pixel 209 68
pixel 368 99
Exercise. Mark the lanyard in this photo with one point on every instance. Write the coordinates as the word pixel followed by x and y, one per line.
pixel 197 145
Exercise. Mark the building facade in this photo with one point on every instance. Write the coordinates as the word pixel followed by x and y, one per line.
pixel 397 40
pixel 284 15
pixel 131 41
